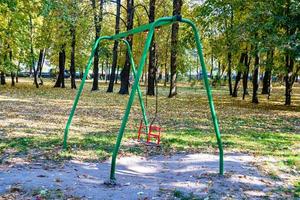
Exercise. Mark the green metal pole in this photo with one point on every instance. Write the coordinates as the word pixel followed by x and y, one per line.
pixel 88 66
pixel 138 88
pixel 209 95
pixel 132 95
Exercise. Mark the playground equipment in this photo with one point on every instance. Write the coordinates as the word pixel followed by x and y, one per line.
pixel 135 88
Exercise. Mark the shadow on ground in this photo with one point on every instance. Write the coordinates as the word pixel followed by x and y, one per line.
pixel 158 177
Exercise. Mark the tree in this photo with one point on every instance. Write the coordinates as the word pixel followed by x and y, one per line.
pixel 152 61
pixel 126 69
pixel 220 20
pixel 115 49
pixel 9 10
pixel 177 4
pixel 247 62
pixel 229 49
pixel 61 17
pixel 40 64
pixel 60 82
pixel 266 88
pixel 73 28
pixel 240 70
pixel 32 54
pixel 98 17
pixel 255 78
pixel 290 25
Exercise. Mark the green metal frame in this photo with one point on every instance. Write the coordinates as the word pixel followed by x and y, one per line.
pixel 150 28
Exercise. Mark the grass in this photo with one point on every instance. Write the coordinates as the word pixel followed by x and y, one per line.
pixel 182 196
pixel 297 189
pixel 32 123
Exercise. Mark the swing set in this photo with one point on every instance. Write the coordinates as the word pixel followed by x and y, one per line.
pixel 151 130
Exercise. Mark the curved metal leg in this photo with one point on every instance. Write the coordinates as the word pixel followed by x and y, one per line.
pixel 209 95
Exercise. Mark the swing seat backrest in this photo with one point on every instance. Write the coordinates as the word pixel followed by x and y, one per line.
pixel 154 132
pixel 155 128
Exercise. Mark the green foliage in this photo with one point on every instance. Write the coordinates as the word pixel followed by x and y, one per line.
pixel 226 26
pixel 256 26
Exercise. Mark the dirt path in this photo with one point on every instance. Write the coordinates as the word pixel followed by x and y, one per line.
pixel 159 177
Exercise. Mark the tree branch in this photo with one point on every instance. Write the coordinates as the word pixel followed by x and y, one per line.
pixel 143 6
pixel 109 13
pixel 111 1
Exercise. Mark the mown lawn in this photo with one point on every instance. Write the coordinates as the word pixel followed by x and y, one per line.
pixel 32 122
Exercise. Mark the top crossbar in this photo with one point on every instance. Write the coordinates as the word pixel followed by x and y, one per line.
pixel 162 22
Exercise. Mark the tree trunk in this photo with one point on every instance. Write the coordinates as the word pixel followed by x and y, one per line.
pixel 126 69
pixel 35 76
pixel 238 76
pixel 289 60
pixel 190 74
pixel 97 21
pixel 117 75
pixel 152 68
pixel 289 79
pixel 12 75
pixel 177 4
pixel 118 68
pixel 212 66
pixel 115 50
pixel 229 47
pixel 41 64
pixel 37 71
pixel 142 79
pixel 160 75
pixel 17 74
pixel 236 86
pixel 96 71
pixel 255 80
pixel 81 73
pixel 60 82
pixel 166 75
pixel 3 81
pixel 268 73
pixel 72 66
pixel 219 72
pixel 246 75
pixel 229 57
pixel 32 67
pixel 102 71
pixel 266 81
pixel 2 77
pixel 107 67
pixel 166 63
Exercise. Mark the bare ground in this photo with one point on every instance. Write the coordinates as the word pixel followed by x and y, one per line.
pixel 159 177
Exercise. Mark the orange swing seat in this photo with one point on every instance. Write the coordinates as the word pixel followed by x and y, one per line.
pixel 154 132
